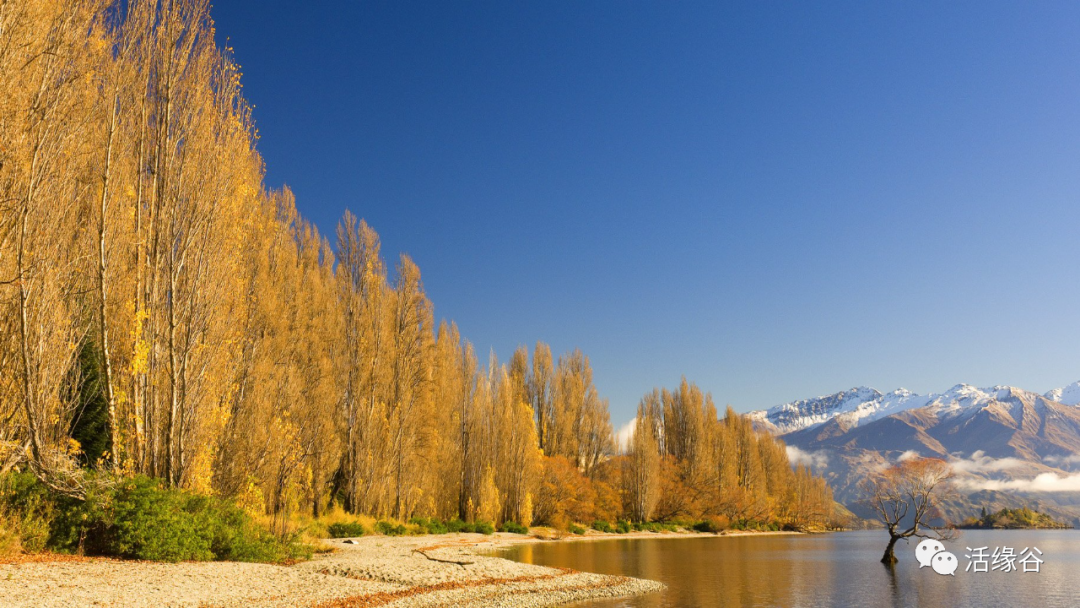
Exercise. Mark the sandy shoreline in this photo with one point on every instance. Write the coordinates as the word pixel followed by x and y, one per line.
pixel 411 571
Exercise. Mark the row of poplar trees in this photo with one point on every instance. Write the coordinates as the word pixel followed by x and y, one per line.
pixel 683 459
pixel 163 313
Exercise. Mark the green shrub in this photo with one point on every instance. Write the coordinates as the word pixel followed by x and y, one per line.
pixel 144 522
pixel 655 526
pixel 513 527
pixel 623 526
pixel 478 527
pixel 234 536
pixel 714 524
pixel 603 526
pixel 430 525
pixel 576 529
pixel 389 528
pixel 346 529
pixel 137 518
pixel 28 510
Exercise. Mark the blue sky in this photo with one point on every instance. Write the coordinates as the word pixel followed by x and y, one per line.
pixel 776 199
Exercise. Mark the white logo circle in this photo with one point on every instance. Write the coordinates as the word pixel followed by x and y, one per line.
pixel 945 563
pixel 926 550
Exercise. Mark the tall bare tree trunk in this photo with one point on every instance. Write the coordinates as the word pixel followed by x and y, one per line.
pixel 463 492
pixel 103 337
pixel 174 394
pixel 138 380
pixel 24 338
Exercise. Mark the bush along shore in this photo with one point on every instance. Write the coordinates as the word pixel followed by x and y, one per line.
pixel 136 518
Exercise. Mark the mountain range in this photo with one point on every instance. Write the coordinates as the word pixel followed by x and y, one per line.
pixel 1009 447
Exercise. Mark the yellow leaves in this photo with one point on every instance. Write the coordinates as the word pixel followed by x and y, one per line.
pixel 127 467
pixel 490 498
pixel 98 44
pixel 139 363
pixel 251 497
pixel 201 473
pixel 525 513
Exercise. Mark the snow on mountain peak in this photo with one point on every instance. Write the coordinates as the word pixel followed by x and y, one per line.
pixel 1069 395
pixel 863 404
pixel 800 414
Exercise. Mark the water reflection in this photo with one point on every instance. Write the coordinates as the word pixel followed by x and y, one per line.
pixel 820 570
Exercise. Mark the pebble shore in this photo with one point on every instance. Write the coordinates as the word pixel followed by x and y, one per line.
pixel 397 572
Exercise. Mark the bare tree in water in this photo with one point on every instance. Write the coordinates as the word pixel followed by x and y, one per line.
pixel 906 497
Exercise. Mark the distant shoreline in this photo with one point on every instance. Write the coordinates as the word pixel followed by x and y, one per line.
pixel 1016 528
pixel 594 535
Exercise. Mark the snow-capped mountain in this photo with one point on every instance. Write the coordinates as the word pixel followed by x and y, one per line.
pixel 1008 447
pixel 861 405
pixel 808 412
pixel 1069 395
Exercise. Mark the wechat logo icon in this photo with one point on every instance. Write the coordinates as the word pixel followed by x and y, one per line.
pixel 932 553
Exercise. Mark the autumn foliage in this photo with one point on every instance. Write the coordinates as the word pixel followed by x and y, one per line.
pixel 685 462
pixel 162 313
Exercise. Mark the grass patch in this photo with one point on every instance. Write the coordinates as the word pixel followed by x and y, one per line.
pixel 387 528
pixel 430 525
pixel 513 527
pixel 603 526
pixel 655 526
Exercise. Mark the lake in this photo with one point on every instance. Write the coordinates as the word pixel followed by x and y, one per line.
pixel 839 569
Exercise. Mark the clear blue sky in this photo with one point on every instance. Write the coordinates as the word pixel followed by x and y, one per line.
pixel 776 199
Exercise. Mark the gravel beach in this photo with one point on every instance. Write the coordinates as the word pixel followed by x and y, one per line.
pixel 443 570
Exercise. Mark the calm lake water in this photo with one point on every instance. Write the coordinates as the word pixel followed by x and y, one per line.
pixel 839 569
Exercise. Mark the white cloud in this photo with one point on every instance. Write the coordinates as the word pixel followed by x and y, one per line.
pixel 908 455
pixel 816 460
pixel 625 434
pixel 1044 482
pixel 1060 460
pixel 981 463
